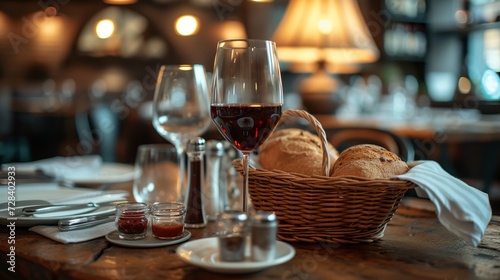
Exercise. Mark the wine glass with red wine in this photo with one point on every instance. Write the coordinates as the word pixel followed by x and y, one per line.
pixel 181 108
pixel 247 95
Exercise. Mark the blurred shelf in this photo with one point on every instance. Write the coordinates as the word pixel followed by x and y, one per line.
pixel 485 107
pixel 483 26
pixel 464 31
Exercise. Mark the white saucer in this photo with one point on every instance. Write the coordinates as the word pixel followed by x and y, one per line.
pixel 109 173
pixel 204 253
pixel 148 242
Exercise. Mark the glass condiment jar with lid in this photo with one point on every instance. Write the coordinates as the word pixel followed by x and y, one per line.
pixel 232 232
pixel 132 220
pixel 168 220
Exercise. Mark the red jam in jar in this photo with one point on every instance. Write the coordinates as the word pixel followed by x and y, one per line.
pixel 167 230
pixel 132 220
pixel 168 220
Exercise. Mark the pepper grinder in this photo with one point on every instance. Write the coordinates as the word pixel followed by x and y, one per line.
pixel 195 208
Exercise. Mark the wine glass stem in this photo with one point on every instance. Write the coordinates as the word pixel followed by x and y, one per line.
pixel 182 172
pixel 246 156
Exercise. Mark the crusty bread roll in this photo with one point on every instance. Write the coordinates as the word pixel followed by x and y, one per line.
pixel 369 161
pixel 294 150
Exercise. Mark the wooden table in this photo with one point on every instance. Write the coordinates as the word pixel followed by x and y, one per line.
pixel 415 246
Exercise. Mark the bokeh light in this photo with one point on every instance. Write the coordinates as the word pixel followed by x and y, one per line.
pixel 186 25
pixel 105 28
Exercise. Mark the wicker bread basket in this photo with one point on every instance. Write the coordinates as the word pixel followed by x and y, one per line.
pixel 323 208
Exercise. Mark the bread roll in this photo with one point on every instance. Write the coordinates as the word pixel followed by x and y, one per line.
pixel 369 161
pixel 294 150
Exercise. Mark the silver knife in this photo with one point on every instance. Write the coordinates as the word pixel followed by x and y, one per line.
pixel 67 207
pixel 18 206
pixel 23 204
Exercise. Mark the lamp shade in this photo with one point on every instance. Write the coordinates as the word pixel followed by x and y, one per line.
pixel 332 31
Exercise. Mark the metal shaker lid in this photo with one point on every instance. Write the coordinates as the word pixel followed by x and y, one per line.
pixel 264 217
pixel 233 215
pixel 196 144
pixel 215 148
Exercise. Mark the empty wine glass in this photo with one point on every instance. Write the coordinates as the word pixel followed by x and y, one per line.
pixel 247 96
pixel 181 108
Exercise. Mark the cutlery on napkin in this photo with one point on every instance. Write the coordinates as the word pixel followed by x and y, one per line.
pixel 463 210
pixel 60 167
pixel 49 194
pixel 50 210
pixel 75 207
pixel 74 235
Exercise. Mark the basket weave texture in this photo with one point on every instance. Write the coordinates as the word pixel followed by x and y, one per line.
pixel 323 208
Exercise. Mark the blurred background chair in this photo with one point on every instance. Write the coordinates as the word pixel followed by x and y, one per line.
pixel 345 137
pixel 97 131
pixel 98 125
pixel 13 147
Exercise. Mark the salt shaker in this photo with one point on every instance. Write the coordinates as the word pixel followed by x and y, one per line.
pixel 195 208
pixel 264 228
pixel 213 190
pixel 232 234
pixel 225 179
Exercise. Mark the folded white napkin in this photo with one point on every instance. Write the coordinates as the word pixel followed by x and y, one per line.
pixel 462 209
pixel 75 236
pixel 60 167
pixel 77 196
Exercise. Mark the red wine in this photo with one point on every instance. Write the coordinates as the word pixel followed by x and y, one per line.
pixel 246 126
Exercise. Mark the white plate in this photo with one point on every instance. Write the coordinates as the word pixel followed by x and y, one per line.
pixel 204 253
pixel 26 221
pixel 148 242
pixel 109 173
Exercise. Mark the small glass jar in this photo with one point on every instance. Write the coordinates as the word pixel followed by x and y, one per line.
pixel 232 232
pixel 168 220
pixel 132 220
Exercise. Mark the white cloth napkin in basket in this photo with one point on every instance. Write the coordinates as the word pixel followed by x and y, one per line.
pixel 60 167
pixel 462 209
pixel 74 236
